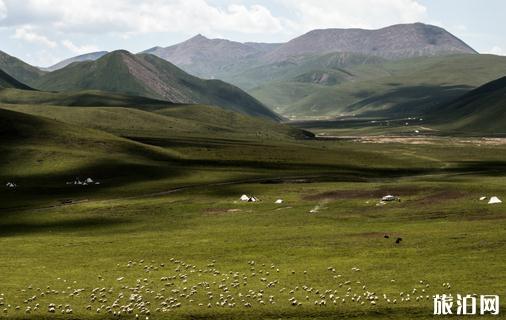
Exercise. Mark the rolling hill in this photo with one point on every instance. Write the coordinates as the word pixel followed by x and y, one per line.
pixel 196 121
pixel 18 69
pixel 86 98
pixel 39 149
pixel 305 69
pixel 482 110
pixel 389 89
pixel 84 57
pixel 149 76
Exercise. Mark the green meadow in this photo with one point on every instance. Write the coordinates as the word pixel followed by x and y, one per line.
pixel 165 236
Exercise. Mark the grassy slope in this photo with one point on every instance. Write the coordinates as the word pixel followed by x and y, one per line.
pixel 18 69
pixel 479 111
pixel 6 81
pixel 151 77
pixel 41 154
pixel 394 88
pixel 81 98
pixel 175 121
pixel 257 74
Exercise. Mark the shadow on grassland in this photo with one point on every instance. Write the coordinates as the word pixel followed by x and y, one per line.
pixel 82 224
pixel 408 100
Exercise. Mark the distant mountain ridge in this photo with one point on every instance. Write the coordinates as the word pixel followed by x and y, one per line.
pixel 84 57
pixel 149 76
pixel 208 58
pixel 200 47
pixel 394 42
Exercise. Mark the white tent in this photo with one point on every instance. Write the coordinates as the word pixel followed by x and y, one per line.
pixel 244 198
pixel 389 198
pixel 252 199
pixel 89 180
pixel 494 200
pixel 483 198
pixel 279 201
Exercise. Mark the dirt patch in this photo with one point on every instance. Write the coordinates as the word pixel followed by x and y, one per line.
pixel 444 196
pixel 220 210
pixel 360 194
pixel 403 140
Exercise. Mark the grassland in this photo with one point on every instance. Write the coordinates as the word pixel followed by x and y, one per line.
pixel 165 224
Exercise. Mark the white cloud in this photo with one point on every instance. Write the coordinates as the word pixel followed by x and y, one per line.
pixel 28 34
pixel 42 58
pixel 134 17
pixel 131 17
pixel 357 13
pixel 79 49
pixel 497 51
pixel 3 10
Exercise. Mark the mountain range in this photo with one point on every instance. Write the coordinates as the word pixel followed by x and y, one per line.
pixel 397 71
pixel 147 76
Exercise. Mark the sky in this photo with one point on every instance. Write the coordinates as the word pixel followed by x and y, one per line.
pixel 44 32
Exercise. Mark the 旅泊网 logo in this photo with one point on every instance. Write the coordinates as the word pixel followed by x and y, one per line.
pixel 466 304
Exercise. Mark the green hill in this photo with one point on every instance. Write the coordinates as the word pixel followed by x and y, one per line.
pixel 18 69
pixel 36 149
pixel 177 121
pixel 6 81
pixel 482 110
pixel 295 67
pixel 396 88
pixel 149 76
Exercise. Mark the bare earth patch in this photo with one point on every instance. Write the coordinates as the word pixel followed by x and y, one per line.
pixel 444 196
pixel 212 211
pixel 422 140
pixel 360 194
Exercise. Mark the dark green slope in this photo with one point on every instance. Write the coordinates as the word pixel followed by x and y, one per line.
pixel 482 110
pixel 149 76
pixel 87 98
pixel 36 148
pixel 6 81
pixel 18 69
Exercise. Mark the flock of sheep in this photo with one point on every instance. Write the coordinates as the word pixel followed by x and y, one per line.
pixel 140 289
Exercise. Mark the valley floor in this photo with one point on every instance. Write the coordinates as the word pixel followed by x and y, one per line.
pixel 139 244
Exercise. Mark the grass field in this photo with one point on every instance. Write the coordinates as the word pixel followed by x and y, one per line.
pixel 165 236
